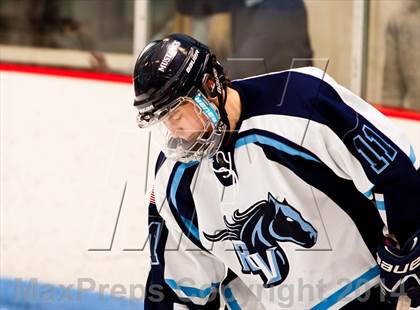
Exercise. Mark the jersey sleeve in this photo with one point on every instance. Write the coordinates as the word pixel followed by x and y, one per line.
pixel 374 153
pixel 180 275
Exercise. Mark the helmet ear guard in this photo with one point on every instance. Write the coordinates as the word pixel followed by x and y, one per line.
pixel 209 86
pixel 219 83
pixel 214 80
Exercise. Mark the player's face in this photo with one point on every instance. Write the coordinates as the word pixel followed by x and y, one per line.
pixel 191 129
pixel 186 122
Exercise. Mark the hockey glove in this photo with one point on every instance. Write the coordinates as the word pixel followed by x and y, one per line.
pixel 400 270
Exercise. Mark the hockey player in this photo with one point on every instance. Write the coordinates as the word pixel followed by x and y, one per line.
pixel 280 191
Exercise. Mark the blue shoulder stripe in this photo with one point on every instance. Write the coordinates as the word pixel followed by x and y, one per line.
pixel 262 138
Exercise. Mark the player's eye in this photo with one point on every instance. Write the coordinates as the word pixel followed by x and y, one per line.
pixel 289 219
pixel 177 117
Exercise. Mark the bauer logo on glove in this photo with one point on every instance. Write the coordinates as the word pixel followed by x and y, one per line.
pixel 400 272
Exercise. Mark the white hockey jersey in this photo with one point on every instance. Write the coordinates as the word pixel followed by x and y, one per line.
pixel 288 214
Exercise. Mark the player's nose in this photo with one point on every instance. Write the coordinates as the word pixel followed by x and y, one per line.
pixel 184 134
pixel 177 131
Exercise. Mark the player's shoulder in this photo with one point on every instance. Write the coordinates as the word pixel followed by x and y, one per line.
pixel 163 169
pixel 168 171
pixel 289 92
pixel 291 83
pixel 159 162
pixel 172 178
pixel 303 72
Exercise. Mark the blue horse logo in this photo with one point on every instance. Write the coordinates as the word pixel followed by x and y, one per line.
pixel 255 234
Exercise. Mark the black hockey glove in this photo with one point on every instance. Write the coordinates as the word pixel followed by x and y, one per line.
pixel 400 270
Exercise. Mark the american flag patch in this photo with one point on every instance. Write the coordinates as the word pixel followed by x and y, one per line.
pixel 152 197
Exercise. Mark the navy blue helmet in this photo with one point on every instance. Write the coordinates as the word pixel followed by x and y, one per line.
pixel 171 72
pixel 171 68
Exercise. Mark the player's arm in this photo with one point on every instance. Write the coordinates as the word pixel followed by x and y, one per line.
pixel 178 278
pixel 377 156
pixel 383 166
pixel 181 274
pixel 385 174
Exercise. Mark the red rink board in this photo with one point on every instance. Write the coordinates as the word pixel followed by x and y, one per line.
pixel 90 75
pixel 120 78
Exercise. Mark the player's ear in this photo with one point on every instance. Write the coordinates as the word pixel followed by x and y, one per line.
pixel 210 84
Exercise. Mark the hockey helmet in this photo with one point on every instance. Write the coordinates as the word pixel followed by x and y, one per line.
pixel 174 71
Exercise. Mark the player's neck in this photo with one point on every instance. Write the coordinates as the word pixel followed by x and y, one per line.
pixel 233 107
